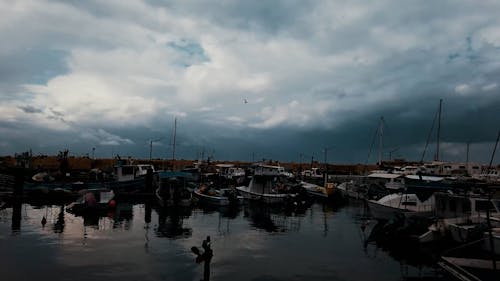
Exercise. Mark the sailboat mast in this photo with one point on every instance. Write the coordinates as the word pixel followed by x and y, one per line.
pixel 380 145
pixel 467 157
pixel 494 150
pixel 326 168
pixel 438 129
pixel 173 144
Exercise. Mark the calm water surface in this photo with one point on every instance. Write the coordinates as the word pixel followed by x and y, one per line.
pixel 140 242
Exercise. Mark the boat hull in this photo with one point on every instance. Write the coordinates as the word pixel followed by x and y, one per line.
pixel 217 200
pixel 383 212
pixel 268 198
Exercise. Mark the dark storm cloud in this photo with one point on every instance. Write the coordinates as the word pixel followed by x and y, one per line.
pixel 316 74
pixel 265 16
pixel 32 65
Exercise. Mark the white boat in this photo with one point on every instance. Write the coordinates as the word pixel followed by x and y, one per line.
pixel 463 217
pixel 491 175
pixel 406 204
pixel 219 197
pixel 265 185
pixel 122 172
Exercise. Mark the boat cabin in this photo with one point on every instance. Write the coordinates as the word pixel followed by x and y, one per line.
pixel 312 173
pixel 130 172
pixel 229 171
pixel 268 170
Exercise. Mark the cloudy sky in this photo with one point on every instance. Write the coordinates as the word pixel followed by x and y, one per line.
pixel 250 79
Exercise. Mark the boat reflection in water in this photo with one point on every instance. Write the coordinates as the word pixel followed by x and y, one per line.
pixel 273 218
pixel 120 217
pixel 59 225
pixel 394 240
pixel 251 242
pixel 171 222
pixel 229 211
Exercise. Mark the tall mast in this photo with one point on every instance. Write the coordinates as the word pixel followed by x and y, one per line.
pixel 326 168
pixel 490 235
pixel 173 144
pixel 467 157
pixel 438 129
pixel 494 150
pixel 380 145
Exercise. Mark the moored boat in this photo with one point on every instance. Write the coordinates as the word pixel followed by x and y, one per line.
pixel 219 197
pixel 266 185
pixel 173 190
pixel 407 205
pixel 317 191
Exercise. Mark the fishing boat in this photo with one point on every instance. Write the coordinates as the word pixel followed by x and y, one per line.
pixel 173 189
pixel 219 197
pixel 267 185
pixel 397 204
pixel 126 178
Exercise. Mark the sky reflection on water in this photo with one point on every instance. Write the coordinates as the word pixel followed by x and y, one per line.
pixel 141 242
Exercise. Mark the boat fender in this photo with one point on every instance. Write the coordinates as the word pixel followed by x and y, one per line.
pixel 112 203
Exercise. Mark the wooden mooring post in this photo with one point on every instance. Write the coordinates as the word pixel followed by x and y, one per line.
pixel 205 257
pixel 148 185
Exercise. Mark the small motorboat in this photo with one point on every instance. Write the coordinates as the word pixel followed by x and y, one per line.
pixel 220 197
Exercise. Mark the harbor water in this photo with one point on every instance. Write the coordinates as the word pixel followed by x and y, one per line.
pixel 139 241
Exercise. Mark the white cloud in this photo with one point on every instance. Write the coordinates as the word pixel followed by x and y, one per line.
pixel 131 64
pixel 463 89
pixel 490 35
pixel 89 99
pixel 102 137
pixel 489 87
pixel 294 114
pixel 235 120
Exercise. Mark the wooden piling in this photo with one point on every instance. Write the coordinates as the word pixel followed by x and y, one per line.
pixel 149 182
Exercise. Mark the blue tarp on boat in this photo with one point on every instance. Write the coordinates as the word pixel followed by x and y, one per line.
pixel 172 174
